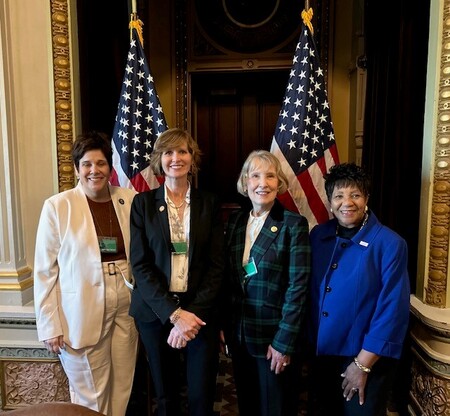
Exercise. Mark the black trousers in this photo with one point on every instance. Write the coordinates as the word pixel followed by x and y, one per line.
pixel 327 398
pixel 196 366
pixel 259 390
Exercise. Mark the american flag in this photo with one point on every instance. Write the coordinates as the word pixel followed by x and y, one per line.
pixel 139 122
pixel 304 137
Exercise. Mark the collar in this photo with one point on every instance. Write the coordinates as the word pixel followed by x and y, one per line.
pixel 253 219
pixel 187 197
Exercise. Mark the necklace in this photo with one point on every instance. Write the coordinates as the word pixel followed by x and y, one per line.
pixel 348 233
pixel 172 204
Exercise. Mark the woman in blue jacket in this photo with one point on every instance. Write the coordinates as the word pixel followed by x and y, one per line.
pixel 359 300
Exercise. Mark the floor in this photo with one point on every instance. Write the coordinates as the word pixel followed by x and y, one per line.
pixel 141 403
pixel 225 404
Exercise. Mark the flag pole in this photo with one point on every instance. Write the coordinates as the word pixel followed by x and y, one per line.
pixel 304 138
pixel 307 15
pixel 139 119
pixel 136 23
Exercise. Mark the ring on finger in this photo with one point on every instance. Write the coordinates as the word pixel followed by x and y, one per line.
pixel 354 389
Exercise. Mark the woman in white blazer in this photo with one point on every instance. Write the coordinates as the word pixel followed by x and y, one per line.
pixel 82 281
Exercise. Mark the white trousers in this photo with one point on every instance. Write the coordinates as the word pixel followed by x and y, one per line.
pixel 101 376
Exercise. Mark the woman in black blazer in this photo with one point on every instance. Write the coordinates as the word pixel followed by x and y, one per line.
pixel 177 261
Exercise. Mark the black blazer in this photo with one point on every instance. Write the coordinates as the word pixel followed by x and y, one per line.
pixel 150 256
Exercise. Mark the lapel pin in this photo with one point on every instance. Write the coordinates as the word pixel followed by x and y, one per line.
pixel 363 243
pixel 274 229
pixel 161 208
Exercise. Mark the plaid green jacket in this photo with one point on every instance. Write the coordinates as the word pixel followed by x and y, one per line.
pixel 268 307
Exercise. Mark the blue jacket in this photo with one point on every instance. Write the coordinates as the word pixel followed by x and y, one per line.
pixel 359 290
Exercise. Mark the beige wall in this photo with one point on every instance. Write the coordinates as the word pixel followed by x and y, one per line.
pixel 27 118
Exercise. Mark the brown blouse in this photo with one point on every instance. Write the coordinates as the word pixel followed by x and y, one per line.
pixel 107 225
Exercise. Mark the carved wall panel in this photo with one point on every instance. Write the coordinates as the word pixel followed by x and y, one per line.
pixel 430 387
pixel 62 77
pixel 430 369
pixel 437 283
pixel 30 375
pixel 26 383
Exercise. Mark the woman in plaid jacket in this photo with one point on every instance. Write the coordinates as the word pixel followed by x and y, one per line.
pixel 268 256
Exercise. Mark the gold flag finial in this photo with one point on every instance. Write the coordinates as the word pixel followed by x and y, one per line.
pixel 307 17
pixel 137 24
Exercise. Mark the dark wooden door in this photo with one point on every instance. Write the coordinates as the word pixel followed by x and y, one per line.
pixel 233 114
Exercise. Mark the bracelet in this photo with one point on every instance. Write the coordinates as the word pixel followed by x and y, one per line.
pixel 363 368
pixel 175 316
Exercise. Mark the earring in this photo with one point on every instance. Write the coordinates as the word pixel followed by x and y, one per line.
pixel 366 209
pixel 331 209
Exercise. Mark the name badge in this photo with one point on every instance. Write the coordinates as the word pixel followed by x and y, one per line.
pixel 250 267
pixel 107 244
pixel 179 247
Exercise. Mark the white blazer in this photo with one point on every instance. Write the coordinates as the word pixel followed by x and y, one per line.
pixel 69 291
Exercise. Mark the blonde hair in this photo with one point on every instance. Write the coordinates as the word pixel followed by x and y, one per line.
pixel 270 160
pixel 171 139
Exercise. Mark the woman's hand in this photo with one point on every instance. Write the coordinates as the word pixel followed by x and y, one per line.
pixel 188 324
pixel 176 339
pixel 55 344
pixel 354 382
pixel 279 361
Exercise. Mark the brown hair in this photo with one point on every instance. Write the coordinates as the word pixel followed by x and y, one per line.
pixel 170 139
pixel 91 140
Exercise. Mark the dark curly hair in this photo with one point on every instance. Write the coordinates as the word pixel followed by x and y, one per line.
pixel 344 175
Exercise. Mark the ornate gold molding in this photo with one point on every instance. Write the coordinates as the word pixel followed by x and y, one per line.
pixel 62 77
pixel 21 286
pixel 436 290
pixel 23 272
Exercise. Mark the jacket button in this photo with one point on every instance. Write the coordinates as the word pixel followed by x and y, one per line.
pixel 334 266
pixel 343 245
pixel 328 289
pixel 325 314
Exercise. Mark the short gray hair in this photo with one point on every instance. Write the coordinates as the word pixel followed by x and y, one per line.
pixel 271 160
